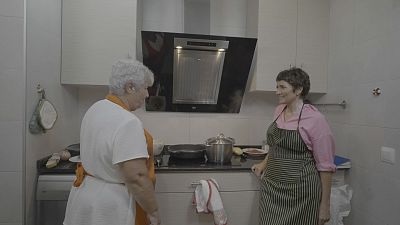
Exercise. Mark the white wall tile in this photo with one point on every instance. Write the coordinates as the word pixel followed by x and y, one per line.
pixel 12 95
pixel 258 129
pixel 370 203
pixel 370 60
pixel 337 114
pixel 391 93
pixel 11 139
pixel 391 139
pixel 364 143
pixel 366 108
pixel 11 45
pixel 392 49
pixel 171 128
pixel 395 15
pixel 11 197
pixel 258 104
pixel 341 23
pixel 376 195
pixel 371 18
pixel 12 8
pixel 202 128
pixel 342 137
pixel 341 67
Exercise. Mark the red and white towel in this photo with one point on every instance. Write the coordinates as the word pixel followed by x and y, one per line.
pixel 208 200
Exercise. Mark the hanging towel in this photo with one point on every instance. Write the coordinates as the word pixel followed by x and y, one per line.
pixel 207 200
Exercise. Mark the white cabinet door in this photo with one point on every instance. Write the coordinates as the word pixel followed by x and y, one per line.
pixel 239 193
pixel 177 208
pixel 276 45
pixel 96 33
pixel 313 42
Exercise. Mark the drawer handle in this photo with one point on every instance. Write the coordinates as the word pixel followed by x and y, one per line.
pixel 195 183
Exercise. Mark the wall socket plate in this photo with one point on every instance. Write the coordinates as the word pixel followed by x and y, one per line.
pixel 388 155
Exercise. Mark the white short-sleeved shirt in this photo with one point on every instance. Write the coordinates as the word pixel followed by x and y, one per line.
pixel 109 135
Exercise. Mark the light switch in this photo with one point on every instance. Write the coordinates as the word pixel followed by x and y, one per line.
pixel 388 155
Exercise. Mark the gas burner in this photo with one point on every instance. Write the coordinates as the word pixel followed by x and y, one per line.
pixel 172 161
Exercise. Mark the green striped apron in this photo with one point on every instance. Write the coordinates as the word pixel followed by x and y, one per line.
pixel 291 186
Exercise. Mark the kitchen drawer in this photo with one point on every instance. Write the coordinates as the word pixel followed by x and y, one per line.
pixel 54 187
pixel 187 182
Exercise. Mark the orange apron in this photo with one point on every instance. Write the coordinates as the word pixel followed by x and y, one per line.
pixel 141 216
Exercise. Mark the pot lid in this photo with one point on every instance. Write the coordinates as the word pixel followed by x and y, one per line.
pixel 220 139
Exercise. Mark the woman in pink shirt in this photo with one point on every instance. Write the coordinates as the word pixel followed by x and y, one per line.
pixel 296 174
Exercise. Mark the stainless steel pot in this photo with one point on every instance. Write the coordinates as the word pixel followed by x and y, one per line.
pixel 186 151
pixel 219 149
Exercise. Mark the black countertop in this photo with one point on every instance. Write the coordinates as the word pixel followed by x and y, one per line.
pixel 237 164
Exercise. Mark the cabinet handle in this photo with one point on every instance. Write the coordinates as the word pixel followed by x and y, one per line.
pixel 195 183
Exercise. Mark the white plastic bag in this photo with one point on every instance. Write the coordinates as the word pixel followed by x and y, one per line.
pixel 340 204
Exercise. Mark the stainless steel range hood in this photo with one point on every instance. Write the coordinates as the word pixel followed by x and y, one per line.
pixel 197 70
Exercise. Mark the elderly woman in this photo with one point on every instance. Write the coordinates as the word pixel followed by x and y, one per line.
pixel 297 172
pixel 115 154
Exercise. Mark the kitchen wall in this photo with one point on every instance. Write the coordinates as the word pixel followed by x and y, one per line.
pixel 12 108
pixel 43 67
pixel 364 54
pixel 247 127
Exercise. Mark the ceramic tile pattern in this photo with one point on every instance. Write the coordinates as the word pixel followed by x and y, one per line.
pixel 12 117
pixel 363 50
pixel 363 53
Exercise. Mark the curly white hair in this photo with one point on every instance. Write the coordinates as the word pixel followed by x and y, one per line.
pixel 129 70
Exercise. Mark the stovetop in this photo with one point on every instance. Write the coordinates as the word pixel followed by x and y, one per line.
pixel 165 163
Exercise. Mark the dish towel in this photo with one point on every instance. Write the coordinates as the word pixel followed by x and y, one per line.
pixel 207 200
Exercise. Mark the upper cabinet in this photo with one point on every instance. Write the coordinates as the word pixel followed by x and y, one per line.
pixel 313 42
pixel 292 33
pixel 96 33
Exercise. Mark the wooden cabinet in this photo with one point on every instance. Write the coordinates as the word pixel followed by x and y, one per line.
pixel 96 33
pixel 292 33
pixel 239 192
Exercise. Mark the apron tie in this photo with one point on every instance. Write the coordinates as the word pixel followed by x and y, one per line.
pixel 80 174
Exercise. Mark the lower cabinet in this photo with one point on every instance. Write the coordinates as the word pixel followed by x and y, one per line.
pixel 239 193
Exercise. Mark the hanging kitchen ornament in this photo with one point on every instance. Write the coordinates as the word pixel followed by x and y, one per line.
pixel 44 116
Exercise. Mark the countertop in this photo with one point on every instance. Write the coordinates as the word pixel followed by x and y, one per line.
pixel 237 164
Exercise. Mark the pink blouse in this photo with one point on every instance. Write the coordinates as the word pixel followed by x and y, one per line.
pixel 315 132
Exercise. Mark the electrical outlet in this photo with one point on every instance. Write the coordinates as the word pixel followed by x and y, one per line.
pixel 388 155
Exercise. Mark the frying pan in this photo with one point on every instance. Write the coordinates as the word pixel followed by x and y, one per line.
pixel 187 151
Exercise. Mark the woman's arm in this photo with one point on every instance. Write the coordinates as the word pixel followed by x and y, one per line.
pixel 137 180
pixel 324 209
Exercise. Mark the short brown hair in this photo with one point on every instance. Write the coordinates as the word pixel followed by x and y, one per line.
pixel 297 78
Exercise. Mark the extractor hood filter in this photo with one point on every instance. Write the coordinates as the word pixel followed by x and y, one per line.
pixel 197 71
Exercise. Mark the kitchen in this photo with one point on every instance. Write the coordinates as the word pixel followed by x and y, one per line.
pixel 362 56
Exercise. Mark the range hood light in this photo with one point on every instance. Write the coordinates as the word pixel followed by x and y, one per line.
pixel 221 50
pixel 178 47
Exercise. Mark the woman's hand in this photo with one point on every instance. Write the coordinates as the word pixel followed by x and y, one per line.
pixel 324 214
pixel 258 168
pixel 154 218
